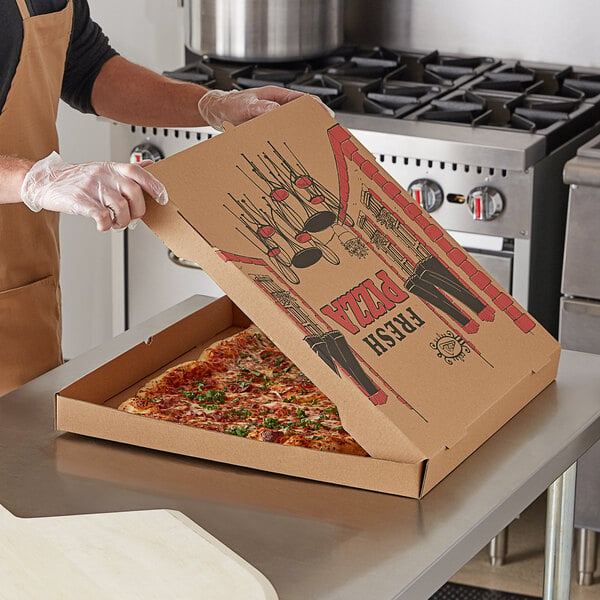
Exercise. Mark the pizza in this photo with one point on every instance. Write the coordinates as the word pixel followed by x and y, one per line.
pixel 245 386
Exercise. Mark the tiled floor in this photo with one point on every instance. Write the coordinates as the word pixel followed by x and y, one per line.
pixel 457 591
pixel 523 571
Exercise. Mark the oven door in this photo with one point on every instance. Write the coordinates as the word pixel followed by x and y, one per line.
pixel 580 324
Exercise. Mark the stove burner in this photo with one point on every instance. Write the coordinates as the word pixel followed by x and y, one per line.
pixel 587 83
pixel 357 68
pixel 398 95
pixel 404 77
pixel 326 88
pixel 456 107
pixel 547 108
pixel 258 76
pixel 442 73
pixel 557 118
pixel 196 72
pixel 371 64
pixel 512 79
pixel 443 69
pixel 543 79
pixel 398 98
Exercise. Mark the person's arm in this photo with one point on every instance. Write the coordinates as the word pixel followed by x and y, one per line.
pixel 99 80
pixel 110 193
pixel 12 174
pixel 132 94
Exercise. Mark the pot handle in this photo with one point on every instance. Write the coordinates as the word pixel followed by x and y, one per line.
pixel 182 262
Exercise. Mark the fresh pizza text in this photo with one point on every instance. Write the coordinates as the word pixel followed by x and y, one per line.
pixel 365 302
pixel 394 331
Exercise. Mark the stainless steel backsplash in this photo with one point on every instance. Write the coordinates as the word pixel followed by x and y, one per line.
pixel 561 31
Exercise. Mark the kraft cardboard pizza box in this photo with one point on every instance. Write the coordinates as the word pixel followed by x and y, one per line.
pixel 425 355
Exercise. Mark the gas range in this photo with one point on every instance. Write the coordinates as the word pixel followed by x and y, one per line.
pixel 555 102
pixel 376 81
pixel 479 142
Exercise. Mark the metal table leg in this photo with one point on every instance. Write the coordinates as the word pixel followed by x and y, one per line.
pixel 498 548
pixel 559 536
pixel 586 556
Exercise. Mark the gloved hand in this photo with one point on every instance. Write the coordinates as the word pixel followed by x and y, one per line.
pixel 108 192
pixel 237 106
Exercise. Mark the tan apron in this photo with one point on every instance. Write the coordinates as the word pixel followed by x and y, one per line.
pixel 30 320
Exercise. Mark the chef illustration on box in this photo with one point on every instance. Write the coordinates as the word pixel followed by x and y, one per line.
pixel 51 49
pixel 295 222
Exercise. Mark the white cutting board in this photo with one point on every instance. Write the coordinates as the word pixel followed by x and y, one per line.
pixel 155 554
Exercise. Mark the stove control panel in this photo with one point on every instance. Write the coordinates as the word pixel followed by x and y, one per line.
pixel 145 151
pixel 427 193
pixel 485 203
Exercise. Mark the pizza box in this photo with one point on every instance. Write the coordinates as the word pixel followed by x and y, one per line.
pixel 425 355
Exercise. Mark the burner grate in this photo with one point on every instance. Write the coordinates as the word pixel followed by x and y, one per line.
pixel 254 76
pixel 326 88
pixel 397 98
pixel 456 107
pixel 197 72
pixel 557 118
pixel 587 84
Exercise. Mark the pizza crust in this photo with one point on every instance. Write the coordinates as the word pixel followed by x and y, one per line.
pixel 139 406
pixel 327 443
pixel 223 346
pixel 159 384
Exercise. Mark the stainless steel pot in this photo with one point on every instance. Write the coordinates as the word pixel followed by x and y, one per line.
pixel 263 30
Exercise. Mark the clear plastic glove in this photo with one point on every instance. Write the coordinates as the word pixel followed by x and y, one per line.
pixel 108 192
pixel 237 106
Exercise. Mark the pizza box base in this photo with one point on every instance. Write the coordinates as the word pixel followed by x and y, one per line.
pixel 88 407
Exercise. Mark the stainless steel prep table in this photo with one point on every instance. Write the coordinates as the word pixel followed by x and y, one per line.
pixel 312 540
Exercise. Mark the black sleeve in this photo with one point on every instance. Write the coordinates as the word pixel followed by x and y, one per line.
pixel 88 50
pixel 11 40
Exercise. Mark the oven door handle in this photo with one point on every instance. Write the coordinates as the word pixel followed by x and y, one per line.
pixel 182 262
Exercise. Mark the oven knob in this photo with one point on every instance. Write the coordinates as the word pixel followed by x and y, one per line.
pixel 485 203
pixel 427 193
pixel 145 151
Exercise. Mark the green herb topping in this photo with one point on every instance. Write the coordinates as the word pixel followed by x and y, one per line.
pixel 242 413
pixel 238 430
pixel 211 396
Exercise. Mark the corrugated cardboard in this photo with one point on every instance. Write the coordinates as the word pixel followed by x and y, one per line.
pixel 423 353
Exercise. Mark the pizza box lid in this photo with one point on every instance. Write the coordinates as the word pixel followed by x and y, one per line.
pixel 421 350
